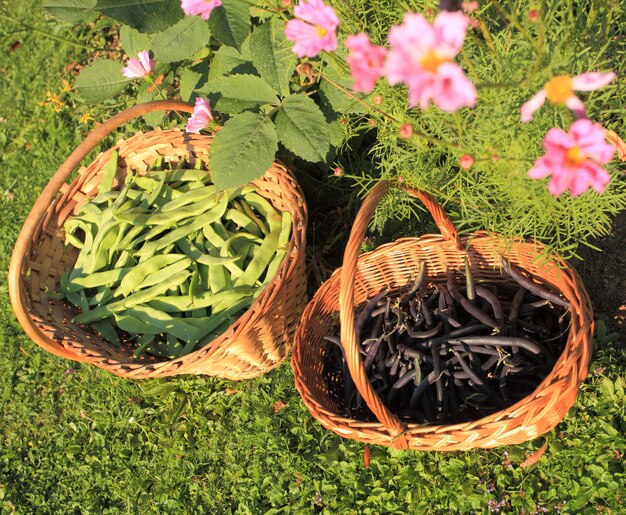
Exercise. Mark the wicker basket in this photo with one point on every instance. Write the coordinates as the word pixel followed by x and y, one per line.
pixel 257 342
pixel 394 265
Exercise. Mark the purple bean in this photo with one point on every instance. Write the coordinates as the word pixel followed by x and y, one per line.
pixel 493 301
pixel 427 316
pixel 469 282
pixel 405 379
pixel 515 305
pixel 533 287
pixel 424 334
pixel 366 312
pixel 372 352
pixel 503 341
pixel 447 318
pixel 469 307
pixel 416 284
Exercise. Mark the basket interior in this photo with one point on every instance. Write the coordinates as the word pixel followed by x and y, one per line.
pixel 49 257
pixel 395 265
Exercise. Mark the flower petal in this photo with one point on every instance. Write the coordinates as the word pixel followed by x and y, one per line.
pixel 592 80
pixel 450 29
pixel 529 107
pixel 541 169
pixel 453 89
pixel 576 105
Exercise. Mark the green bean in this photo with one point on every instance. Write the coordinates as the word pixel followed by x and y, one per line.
pixel 174 303
pixel 164 273
pixel 244 221
pixel 144 341
pixel 253 216
pixel 181 232
pixel 143 296
pixel 260 262
pixel 106 328
pixel 133 279
pixel 108 173
pixel 266 209
pixel 98 279
pixel 205 193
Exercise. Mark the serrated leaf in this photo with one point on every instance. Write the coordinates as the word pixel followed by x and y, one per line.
pixel 144 15
pixel 238 93
pixel 191 79
pixel 154 118
pixel 230 23
pixel 302 128
pixel 101 80
pixel 272 55
pixel 242 150
pixel 133 41
pixel 337 92
pixel 71 10
pixel 180 41
pixel 228 59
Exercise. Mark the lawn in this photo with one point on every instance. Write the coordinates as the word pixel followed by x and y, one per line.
pixel 77 439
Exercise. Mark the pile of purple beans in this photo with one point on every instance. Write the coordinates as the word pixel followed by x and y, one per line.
pixel 444 353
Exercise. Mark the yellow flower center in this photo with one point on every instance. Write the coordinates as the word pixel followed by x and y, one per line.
pixel 559 89
pixel 574 156
pixel 321 31
pixel 431 60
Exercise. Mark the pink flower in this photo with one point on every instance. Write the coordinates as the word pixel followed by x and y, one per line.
pixel 365 61
pixel 138 68
pixel 560 90
pixel 314 30
pixel 201 116
pixel 421 57
pixel 573 159
pixel 200 8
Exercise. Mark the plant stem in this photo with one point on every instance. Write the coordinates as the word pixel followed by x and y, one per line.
pixel 53 37
pixel 427 137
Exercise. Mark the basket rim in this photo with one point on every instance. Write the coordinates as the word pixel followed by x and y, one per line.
pixel 249 316
pixel 579 306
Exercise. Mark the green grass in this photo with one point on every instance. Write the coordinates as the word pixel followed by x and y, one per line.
pixel 77 439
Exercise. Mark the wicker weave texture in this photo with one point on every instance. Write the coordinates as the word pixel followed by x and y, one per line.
pixel 394 265
pixel 257 342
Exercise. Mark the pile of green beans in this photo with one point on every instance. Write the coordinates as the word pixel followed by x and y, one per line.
pixel 445 353
pixel 167 262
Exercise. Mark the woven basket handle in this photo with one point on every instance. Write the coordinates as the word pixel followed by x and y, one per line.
pixel 346 300
pixel 24 240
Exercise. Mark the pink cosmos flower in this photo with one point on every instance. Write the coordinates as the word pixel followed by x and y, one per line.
pixel 365 61
pixel 138 68
pixel 200 8
pixel 560 90
pixel 573 159
pixel 201 116
pixel 314 30
pixel 421 57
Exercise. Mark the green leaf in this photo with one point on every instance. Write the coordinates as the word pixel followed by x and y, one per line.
pixel 191 79
pixel 182 40
pixel 230 23
pixel 333 91
pixel 71 10
pixel 133 41
pixel 154 118
pixel 272 55
pixel 303 129
pixel 238 93
pixel 242 150
pixel 101 80
pixel 145 15
pixel 229 60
